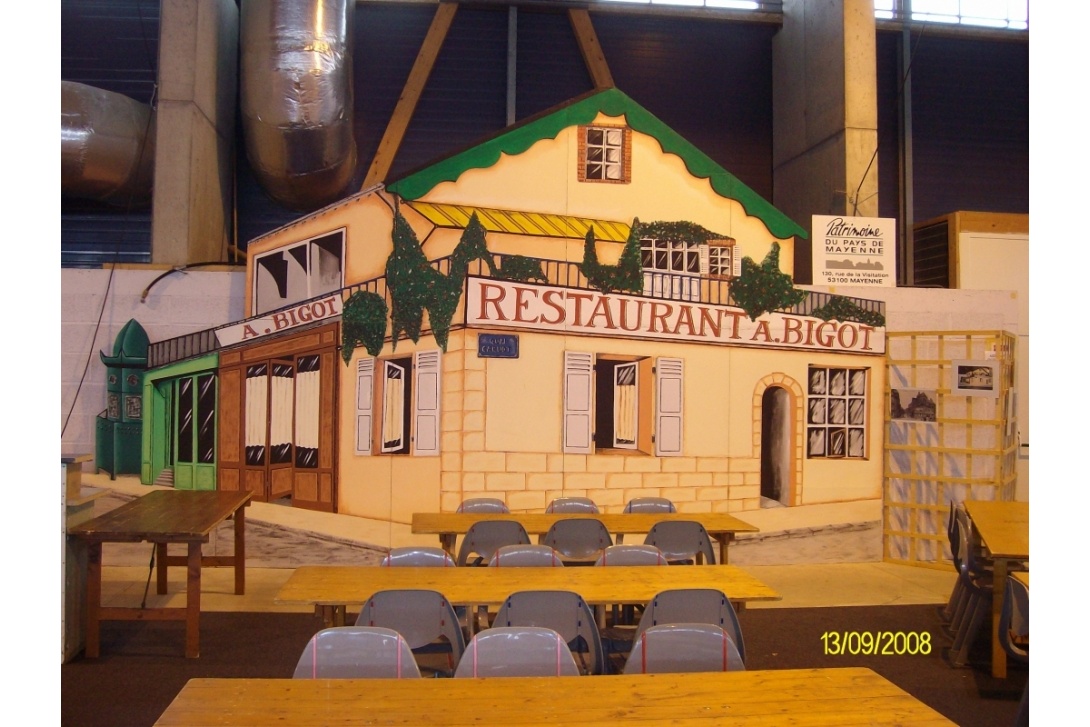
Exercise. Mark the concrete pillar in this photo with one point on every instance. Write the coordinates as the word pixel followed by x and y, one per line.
pixel 825 110
pixel 192 211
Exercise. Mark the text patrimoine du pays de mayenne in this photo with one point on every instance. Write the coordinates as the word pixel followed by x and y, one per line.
pixel 550 308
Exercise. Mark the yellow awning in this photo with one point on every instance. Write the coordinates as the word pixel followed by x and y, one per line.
pixel 522 223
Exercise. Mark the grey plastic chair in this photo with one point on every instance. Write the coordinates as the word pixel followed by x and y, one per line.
pixel 483 538
pixel 580 541
pixel 419 556
pixel 354 652
pixel 649 504
pixel 424 618
pixel 566 613
pixel 572 505
pixel 632 554
pixel 683 647
pixel 1014 634
pixel 483 504
pixel 517 651
pixel 976 602
pixel 682 541
pixel 524 555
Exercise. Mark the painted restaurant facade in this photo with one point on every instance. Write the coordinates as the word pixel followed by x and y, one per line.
pixel 583 305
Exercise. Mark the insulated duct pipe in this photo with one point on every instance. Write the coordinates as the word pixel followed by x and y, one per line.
pixel 296 90
pixel 107 146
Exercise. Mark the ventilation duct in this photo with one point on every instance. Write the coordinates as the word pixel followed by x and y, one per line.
pixel 107 146
pixel 296 92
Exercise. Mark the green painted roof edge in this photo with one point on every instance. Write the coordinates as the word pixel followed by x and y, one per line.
pixel 614 103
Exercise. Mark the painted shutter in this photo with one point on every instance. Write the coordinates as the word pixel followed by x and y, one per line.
pixel 668 406
pixel 427 370
pixel 735 261
pixel 704 261
pixel 578 398
pixel 365 391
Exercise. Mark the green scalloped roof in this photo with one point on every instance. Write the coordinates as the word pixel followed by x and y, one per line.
pixel 611 102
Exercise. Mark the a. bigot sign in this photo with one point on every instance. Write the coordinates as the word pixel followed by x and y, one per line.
pixel 506 304
pixel 309 312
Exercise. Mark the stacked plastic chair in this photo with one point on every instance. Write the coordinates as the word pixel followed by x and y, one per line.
pixel 517 651
pixel 683 647
pixel 483 538
pixel 525 555
pixel 580 541
pixel 566 613
pixel 1014 636
pixel 355 652
pixel 582 505
pixel 976 601
pixel 483 504
pixel 682 541
pixel 425 619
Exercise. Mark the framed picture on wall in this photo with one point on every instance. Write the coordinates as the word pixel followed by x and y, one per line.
pixel 975 378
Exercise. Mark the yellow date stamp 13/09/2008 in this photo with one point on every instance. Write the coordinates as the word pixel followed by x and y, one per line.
pixel 876 643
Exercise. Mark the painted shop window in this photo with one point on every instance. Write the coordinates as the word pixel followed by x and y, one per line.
pixel 299 272
pixel 196 430
pixel 308 401
pixel 282 413
pixel 397 404
pixel 605 154
pixel 623 404
pixel 836 417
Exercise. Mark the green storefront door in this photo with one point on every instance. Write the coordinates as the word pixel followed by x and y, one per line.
pixel 195 432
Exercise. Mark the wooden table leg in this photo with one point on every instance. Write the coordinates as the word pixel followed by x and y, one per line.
pixel 94 599
pixel 446 541
pixel 160 568
pixel 193 602
pixel 999 588
pixel 240 550
pixel 724 540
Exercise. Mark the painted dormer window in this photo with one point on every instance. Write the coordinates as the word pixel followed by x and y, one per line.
pixel 605 154
pixel 298 272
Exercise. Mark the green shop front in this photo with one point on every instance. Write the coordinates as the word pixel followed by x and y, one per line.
pixel 179 437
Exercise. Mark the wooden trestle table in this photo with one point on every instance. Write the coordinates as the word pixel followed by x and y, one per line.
pixel 449 525
pixel 838 696
pixel 1002 528
pixel 331 589
pixel 163 517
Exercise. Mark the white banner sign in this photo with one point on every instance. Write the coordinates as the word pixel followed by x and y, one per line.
pixel 855 251
pixel 506 304
pixel 309 312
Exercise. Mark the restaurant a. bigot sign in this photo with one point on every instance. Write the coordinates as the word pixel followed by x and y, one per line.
pixel 507 304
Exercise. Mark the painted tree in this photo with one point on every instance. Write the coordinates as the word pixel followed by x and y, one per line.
pixel 764 288
pixel 626 276
pixel 410 279
pixel 363 322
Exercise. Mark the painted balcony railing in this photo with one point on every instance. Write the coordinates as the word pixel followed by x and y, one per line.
pixel 561 273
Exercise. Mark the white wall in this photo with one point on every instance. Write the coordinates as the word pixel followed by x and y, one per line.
pixel 180 303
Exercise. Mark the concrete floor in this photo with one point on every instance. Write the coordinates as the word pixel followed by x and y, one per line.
pixel 808 561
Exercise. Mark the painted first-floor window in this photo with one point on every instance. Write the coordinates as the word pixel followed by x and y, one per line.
pixel 622 404
pixel 397 404
pixel 836 417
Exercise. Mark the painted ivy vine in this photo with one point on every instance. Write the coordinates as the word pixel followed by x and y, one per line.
pixel 764 288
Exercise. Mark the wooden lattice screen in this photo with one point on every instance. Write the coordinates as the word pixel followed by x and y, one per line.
pixel 945 442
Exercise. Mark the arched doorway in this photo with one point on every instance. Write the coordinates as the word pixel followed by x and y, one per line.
pixel 776 446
